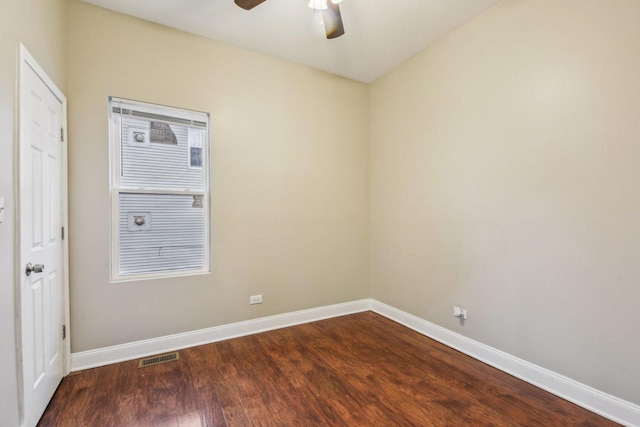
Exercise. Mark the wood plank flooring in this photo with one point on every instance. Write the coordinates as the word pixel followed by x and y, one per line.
pixel 357 370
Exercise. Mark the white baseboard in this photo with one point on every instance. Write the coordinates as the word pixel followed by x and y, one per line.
pixel 608 406
pixel 604 404
pixel 135 350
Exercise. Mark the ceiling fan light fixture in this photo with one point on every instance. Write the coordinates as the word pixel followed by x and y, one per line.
pixel 330 14
pixel 318 4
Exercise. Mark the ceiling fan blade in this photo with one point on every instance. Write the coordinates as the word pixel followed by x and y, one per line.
pixel 249 4
pixel 332 20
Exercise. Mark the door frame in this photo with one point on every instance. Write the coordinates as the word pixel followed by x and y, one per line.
pixel 25 59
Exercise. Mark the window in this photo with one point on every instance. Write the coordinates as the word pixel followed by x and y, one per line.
pixel 159 190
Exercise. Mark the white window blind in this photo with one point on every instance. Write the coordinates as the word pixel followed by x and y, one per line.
pixel 160 193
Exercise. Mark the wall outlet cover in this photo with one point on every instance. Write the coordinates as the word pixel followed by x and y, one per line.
pixel 457 310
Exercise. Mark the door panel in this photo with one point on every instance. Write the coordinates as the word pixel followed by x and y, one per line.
pixel 42 297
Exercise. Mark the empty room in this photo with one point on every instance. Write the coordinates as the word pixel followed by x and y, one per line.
pixel 301 213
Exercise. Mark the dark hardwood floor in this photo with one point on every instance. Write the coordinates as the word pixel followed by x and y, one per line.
pixel 357 370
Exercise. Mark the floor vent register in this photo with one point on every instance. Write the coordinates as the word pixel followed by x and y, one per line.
pixel 156 360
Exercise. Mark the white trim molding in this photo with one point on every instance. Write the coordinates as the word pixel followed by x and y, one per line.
pixel 611 407
pixel 138 349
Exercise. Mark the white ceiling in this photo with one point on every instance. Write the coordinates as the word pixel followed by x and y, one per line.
pixel 380 34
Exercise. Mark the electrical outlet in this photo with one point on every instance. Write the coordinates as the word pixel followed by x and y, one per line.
pixel 460 312
pixel 457 310
pixel 255 299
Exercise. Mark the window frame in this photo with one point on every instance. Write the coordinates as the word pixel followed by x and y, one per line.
pixel 116 188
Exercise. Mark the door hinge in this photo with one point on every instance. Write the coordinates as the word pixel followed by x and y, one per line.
pixel 62 233
pixel 64 331
pixel 61 134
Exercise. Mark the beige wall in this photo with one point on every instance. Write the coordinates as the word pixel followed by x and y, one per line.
pixel 289 180
pixel 39 25
pixel 505 177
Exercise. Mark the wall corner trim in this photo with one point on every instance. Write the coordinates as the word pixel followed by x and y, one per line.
pixel 611 407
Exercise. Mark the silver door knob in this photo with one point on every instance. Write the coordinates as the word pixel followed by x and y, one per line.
pixel 38 268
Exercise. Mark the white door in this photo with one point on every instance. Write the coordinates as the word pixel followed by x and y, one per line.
pixel 42 289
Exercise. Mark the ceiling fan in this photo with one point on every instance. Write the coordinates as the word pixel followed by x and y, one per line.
pixel 330 14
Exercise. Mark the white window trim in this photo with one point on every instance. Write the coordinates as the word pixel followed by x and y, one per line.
pixel 115 188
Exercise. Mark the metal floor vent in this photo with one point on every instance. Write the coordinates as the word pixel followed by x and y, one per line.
pixel 156 360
